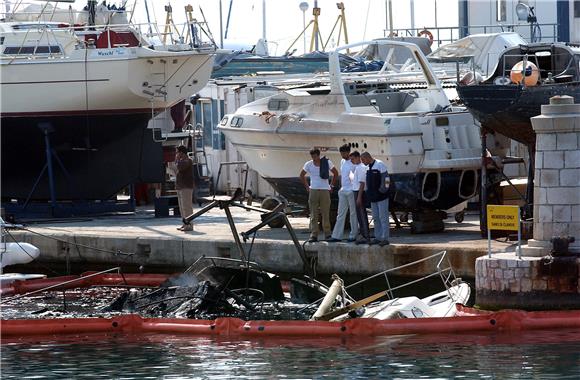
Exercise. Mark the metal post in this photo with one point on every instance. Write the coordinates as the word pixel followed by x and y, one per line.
pixel 307 266
pixel 519 235
pixel 488 242
pixel 412 6
pixel 483 189
pixel 303 29
pixel 316 27
pixel 390 6
pixel 528 211
pixel 221 26
pixel 46 129
pixel 264 20
pixel 226 208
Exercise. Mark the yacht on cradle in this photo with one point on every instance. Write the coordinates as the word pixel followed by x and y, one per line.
pixel 506 100
pixel 77 99
pixel 399 114
pixel 525 77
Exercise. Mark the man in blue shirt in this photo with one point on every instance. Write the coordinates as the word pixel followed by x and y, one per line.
pixel 378 182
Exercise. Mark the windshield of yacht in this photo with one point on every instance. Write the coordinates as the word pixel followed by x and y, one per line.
pixel 390 58
pixel 395 62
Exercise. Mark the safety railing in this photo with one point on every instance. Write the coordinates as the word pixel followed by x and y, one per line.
pixel 442 35
pixel 443 269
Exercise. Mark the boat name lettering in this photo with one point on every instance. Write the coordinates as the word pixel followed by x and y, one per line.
pixel 109 53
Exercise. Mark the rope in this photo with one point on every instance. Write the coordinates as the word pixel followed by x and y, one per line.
pixel 118 252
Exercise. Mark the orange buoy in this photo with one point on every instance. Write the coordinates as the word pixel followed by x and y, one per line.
pixel 428 34
pixel 531 72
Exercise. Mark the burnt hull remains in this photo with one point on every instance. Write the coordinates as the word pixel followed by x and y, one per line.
pixel 507 109
pixel 92 157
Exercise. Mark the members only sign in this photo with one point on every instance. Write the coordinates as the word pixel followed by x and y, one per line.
pixel 503 218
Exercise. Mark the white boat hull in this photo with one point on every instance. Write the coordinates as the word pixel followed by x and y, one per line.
pixel 110 80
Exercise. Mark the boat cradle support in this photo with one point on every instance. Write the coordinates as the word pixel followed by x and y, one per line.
pixel 268 216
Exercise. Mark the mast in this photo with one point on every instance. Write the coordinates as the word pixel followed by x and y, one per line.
pixel 221 26
pixel 92 9
pixel 264 26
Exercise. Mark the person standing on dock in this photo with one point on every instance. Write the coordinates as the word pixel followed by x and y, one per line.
pixel 319 169
pixel 346 201
pixel 184 185
pixel 377 185
pixel 358 188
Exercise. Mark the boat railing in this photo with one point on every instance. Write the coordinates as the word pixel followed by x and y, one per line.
pixel 444 35
pixel 530 57
pixel 193 32
pixel 223 262
pixel 444 270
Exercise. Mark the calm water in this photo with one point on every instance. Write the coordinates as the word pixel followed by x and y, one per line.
pixel 538 355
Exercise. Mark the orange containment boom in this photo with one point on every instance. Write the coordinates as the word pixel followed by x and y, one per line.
pixel 104 279
pixel 507 320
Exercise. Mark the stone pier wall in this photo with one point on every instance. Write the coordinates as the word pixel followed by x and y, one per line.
pixel 557 174
pixel 537 280
pixel 505 282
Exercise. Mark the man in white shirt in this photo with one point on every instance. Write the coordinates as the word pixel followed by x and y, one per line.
pixel 377 186
pixel 358 188
pixel 346 201
pixel 319 170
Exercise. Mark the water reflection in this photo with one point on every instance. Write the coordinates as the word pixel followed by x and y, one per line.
pixel 545 355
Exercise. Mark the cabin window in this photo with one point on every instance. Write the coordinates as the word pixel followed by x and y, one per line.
pixel 237 122
pixel 224 121
pixel 47 50
pixel 501 11
pixel 16 50
pixel 207 123
pixel 442 121
pixel 2 40
pixel 13 50
pixel 198 113
pixel 576 8
pixel 278 104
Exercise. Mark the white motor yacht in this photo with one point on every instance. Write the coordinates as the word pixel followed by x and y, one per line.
pixel 399 114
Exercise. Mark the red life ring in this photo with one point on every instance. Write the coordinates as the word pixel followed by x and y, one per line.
pixel 427 34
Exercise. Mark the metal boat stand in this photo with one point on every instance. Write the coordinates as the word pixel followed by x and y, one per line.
pixel 224 202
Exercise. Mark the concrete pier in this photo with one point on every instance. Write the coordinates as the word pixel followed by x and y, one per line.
pixel 157 245
pixel 538 281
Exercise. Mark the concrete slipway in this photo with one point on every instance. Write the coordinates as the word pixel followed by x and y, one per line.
pixel 140 239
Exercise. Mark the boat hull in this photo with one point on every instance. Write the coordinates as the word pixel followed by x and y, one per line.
pixel 407 197
pixel 94 156
pixel 125 81
pixel 508 109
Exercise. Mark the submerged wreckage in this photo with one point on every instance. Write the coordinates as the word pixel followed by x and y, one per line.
pixel 215 287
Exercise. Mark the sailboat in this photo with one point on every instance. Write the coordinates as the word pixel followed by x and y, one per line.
pixel 77 99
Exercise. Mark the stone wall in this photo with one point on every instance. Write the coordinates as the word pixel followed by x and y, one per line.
pixel 505 281
pixel 557 176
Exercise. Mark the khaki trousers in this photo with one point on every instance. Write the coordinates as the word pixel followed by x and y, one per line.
pixel 185 201
pixel 319 199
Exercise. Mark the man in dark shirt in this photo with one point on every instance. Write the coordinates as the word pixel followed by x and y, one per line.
pixel 184 184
